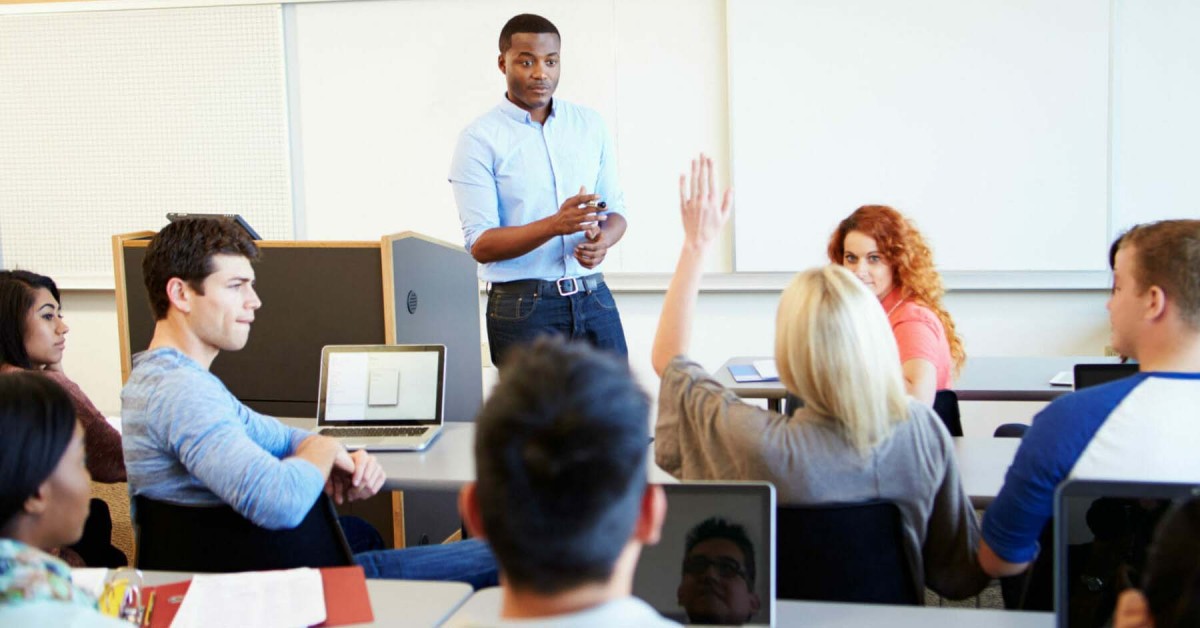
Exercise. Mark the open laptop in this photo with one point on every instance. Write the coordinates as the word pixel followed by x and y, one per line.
pixel 1102 532
pixel 662 579
pixel 1094 374
pixel 382 397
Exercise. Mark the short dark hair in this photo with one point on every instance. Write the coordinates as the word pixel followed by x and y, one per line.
pixel 525 23
pixel 1172 576
pixel 1168 254
pixel 37 420
pixel 185 249
pixel 718 528
pixel 560 457
pixel 16 297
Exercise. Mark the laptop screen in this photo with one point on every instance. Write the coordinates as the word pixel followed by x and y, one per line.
pixel 1087 375
pixel 1102 533
pixel 716 582
pixel 381 384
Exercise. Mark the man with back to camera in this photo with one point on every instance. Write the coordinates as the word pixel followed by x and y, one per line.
pixel 718 574
pixel 521 174
pixel 561 492
pixel 188 440
pixel 1141 428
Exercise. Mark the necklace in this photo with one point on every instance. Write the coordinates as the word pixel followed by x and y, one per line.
pixel 893 309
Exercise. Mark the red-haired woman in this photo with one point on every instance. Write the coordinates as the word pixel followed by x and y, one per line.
pixel 888 254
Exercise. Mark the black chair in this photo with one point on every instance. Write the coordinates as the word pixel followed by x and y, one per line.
pixel 844 553
pixel 217 539
pixel 1010 430
pixel 945 404
pixel 792 403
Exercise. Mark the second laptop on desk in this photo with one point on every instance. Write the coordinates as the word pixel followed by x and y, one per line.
pixel 382 397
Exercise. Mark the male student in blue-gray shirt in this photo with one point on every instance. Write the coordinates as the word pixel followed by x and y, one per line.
pixel 187 440
pixel 521 176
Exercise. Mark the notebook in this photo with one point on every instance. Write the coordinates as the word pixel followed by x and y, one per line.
pixel 1102 532
pixel 1092 374
pixel 382 397
pixel 662 579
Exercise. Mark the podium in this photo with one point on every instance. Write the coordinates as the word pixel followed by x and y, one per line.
pixel 406 288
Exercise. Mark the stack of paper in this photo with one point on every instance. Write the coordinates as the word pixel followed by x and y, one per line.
pixel 293 597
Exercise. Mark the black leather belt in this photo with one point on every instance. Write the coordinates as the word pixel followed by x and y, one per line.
pixel 560 287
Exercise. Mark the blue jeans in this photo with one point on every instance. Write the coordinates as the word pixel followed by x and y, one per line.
pixel 586 315
pixel 469 561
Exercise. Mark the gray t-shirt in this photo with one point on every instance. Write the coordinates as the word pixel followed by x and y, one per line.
pixel 705 432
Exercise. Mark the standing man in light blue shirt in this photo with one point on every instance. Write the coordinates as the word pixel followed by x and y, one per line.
pixel 521 175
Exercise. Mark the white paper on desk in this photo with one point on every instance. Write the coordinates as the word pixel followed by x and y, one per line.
pixel 1063 378
pixel 766 369
pixel 286 598
pixel 90 579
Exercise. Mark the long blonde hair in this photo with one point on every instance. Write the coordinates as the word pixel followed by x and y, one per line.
pixel 835 350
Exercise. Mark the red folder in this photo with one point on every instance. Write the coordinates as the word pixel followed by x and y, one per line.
pixel 346 599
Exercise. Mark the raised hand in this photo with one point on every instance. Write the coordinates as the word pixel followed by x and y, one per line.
pixel 702 217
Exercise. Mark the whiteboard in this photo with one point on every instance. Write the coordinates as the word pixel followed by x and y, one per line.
pixel 985 121
pixel 1156 112
pixel 111 119
pixel 385 86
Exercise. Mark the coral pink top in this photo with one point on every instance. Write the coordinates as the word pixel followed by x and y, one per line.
pixel 919 335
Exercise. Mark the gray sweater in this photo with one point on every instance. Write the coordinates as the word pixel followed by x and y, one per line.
pixel 706 432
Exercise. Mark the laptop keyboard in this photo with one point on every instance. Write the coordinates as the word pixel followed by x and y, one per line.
pixel 342 432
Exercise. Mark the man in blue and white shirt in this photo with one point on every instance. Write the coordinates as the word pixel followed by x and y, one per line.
pixel 1142 428
pixel 521 176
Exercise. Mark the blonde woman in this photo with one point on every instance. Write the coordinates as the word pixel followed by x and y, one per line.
pixel 859 437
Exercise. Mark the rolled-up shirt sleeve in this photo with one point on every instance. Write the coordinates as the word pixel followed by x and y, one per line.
pixel 608 183
pixel 473 180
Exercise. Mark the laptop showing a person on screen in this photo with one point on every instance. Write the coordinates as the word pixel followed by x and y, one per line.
pixel 561 494
pixel 1140 428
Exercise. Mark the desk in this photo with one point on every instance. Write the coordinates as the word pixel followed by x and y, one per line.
pixel 982 463
pixel 984 378
pixel 838 614
pixel 448 463
pixel 393 602
pixel 484 607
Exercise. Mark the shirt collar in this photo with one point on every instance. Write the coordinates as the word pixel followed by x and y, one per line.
pixel 519 114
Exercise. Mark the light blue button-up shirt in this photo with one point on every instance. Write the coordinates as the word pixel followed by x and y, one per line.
pixel 509 171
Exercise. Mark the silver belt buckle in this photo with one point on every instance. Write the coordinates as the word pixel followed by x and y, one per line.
pixel 563 292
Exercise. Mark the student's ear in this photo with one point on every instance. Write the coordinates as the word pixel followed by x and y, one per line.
pixel 36 504
pixel 1132 611
pixel 651 515
pixel 179 294
pixel 468 509
pixel 1156 302
pixel 501 64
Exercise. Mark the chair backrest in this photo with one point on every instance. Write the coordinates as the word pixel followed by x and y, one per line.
pixel 945 404
pixel 844 553
pixel 216 539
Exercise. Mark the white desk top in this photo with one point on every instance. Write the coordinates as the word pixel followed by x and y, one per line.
pixel 983 378
pixel 484 607
pixel 393 602
pixel 837 615
pixel 448 463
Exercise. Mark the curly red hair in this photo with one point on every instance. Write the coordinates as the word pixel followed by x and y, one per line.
pixel 911 259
